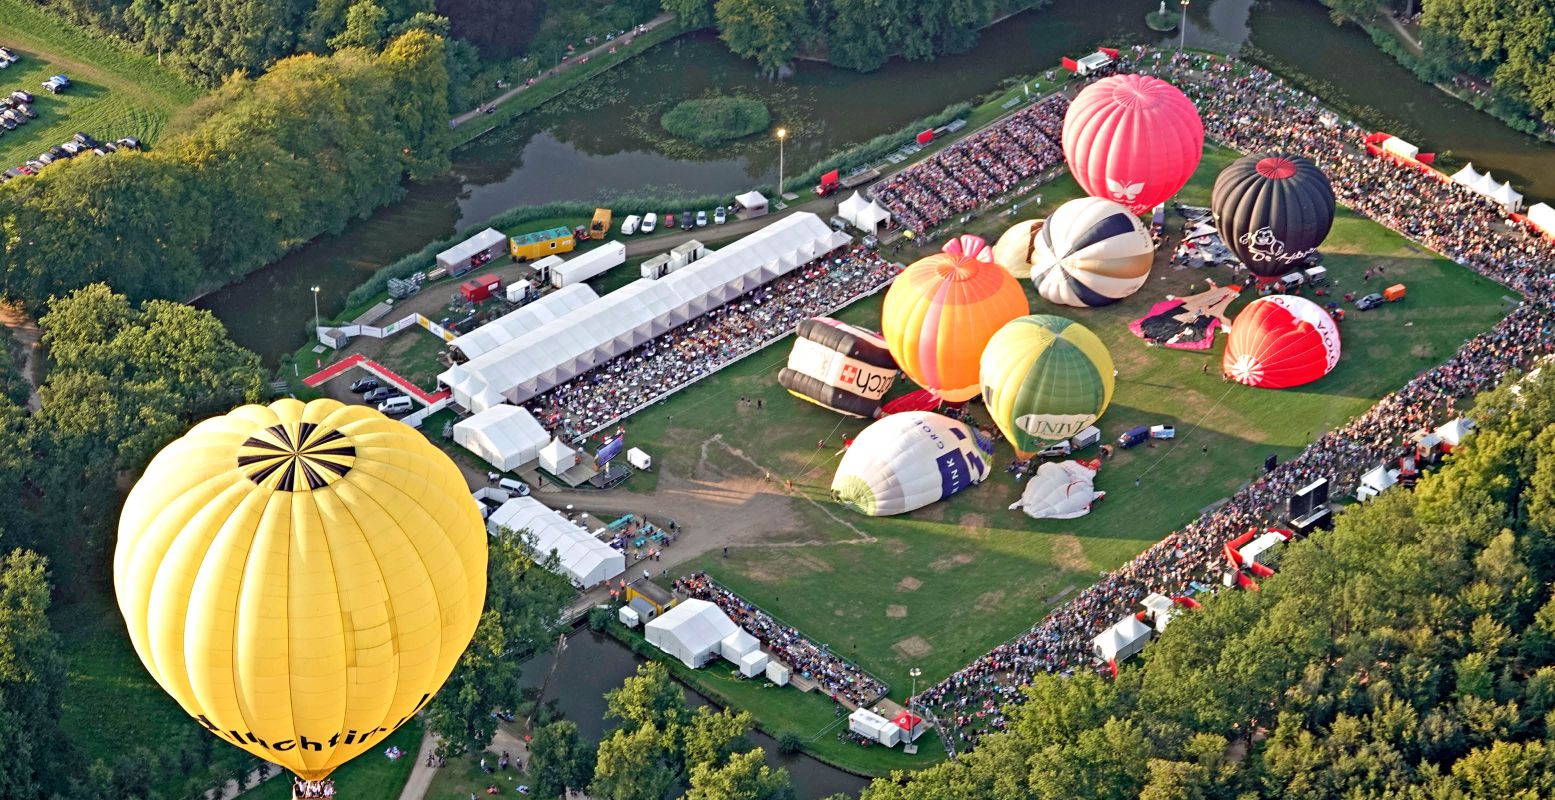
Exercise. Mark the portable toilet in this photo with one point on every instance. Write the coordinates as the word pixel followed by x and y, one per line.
pixel 628 617
pixel 777 672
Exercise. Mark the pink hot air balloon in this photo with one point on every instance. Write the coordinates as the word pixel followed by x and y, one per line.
pixel 1134 139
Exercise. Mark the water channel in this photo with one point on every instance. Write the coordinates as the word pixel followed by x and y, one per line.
pixel 592 664
pixel 605 140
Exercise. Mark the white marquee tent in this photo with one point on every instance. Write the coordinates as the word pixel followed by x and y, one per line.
pixel 507 436
pixel 1466 176
pixel 580 340
pixel 1487 186
pixel 692 631
pixel 738 645
pixel 489 240
pixel 557 457
pixel 584 559
pixel 1542 216
pixel 1375 481
pixel 753 202
pixel 866 215
pixel 1454 431
pixel 508 327
pixel 1122 640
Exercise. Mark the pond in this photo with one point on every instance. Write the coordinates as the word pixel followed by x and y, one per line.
pixel 592 664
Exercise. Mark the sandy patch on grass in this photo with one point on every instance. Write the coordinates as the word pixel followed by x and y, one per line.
pixel 950 561
pixel 973 523
pixel 908 584
pixel 987 601
pixel 893 546
pixel 1068 554
pixel 895 611
pixel 789 563
pixel 913 647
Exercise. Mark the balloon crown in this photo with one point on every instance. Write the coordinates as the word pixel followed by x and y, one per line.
pixel 1276 167
pixel 965 252
pixel 294 457
pixel 1137 91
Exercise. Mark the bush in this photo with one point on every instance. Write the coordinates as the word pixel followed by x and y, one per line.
pixel 790 743
pixel 714 120
pixel 599 619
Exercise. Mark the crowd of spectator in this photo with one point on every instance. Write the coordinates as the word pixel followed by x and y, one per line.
pixel 1250 109
pixel 839 677
pixel 706 344
pixel 977 170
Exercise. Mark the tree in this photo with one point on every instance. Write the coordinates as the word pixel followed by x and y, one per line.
pixel 499 28
pixel 559 760
pixel 32 677
pixel 631 765
pixel 855 39
pixel 710 738
pixel 691 13
pixel 745 777
pixel 649 698
pixel 366 24
pixel 766 31
pixel 524 599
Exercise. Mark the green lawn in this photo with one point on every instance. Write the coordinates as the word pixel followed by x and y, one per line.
pixel 370 775
pixel 938 587
pixel 114 92
pixel 458 777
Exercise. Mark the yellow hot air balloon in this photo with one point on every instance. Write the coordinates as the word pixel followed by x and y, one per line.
pixel 1045 379
pixel 301 578
pixel 941 311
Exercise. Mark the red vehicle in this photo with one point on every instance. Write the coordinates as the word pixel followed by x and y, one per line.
pixel 478 289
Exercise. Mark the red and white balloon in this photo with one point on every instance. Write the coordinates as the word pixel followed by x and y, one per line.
pixel 1281 341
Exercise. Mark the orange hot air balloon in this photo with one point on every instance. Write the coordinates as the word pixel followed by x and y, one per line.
pixel 941 312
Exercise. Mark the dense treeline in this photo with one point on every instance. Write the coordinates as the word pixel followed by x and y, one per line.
pixel 855 34
pixel 122 381
pixel 1410 653
pixel 273 162
pixel 1507 45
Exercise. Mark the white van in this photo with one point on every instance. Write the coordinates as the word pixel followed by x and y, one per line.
pixel 397 405
pixel 629 225
pixel 515 488
pixel 650 222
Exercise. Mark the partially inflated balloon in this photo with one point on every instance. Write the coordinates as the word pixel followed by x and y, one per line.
pixel 1045 379
pixel 1281 341
pixel 1272 210
pixel 942 310
pixel 1016 246
pixel 1134 139
pixel 838 366
pixel 301 578
pixel 1091 252
pixel 907 461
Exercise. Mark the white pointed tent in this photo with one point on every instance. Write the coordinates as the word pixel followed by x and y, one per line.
pixel 584 338
pixel 506 436
pixel 866 215
pixel 1454 431
pixel 1543 217
pixel 508 327
pixel 557 457
pixel 1466 176
pixel 1122 640
pixel 1507 197
pixel 583 558
pixel 1487 186
pixel 691 631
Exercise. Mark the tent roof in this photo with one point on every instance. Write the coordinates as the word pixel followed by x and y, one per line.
pixel 1455 430
pixel 751 199
pixel 480 242
pixel 697 625
pixel 510 326
pixel 568 346
pixel 586 559
pixel 1118 637
pixel 1542 215
pixel 1507 196
pixel 1466 176
pixel 556 451
pixel 851 206
pixel 907 720
pixel 508 429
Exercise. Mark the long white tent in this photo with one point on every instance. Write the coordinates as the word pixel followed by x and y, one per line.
pixel 584 338
pixel 1542 215
pixel 510 326
pixel 489 240
pixel 583 558
pixel 506 436
pixel 692 631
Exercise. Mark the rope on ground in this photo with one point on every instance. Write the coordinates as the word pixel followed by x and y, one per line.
pixel 1177 440
pixel 819 449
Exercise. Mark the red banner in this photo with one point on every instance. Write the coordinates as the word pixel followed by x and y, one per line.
pixel 926 137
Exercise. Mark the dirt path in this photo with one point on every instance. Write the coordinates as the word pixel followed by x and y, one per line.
pixel 573 62
pixel 24 330
pixel 506 740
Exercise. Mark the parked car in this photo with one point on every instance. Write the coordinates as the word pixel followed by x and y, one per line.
pixel 9 54
pixel 701 219
pixel 85 140
pixel 54 86
pixel 719 217
pixel 669 220
pixel 1370 301
pixel 688 220
pixel 381 394
pixel 629 225
pixel 73 149
pixel 4 63
pixel 26 110
pixel 21 96
pixel 46 158
pixel 130 142
pixel 1134 436
pixel 871 242
pixel 650 221
pixel 361 385
pixel 11 115
pixel 516 487
pixel 395 406
pixel 7 123
pixel 58 153
pixel 34 165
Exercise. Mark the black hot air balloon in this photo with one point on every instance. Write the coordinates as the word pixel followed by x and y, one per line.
pixel 1272 210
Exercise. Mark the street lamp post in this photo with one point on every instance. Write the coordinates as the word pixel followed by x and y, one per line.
pixel 782 134
pixel 1183 23
pixel 914 672
pixel 315 307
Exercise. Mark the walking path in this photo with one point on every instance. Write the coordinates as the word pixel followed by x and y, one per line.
pixel 573 61
pixel 506 740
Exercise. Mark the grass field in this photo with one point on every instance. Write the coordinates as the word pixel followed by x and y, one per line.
pixel 369 775
pixel 940 586
pixel 114 92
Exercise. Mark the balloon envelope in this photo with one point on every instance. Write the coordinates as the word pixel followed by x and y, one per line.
pixel 909 460
pixel 301 578
pixel 1045 379
pixel 1272 210
pixel 1059 490
pixel 1281 341
pixel 1134 139
pixel 839 366
pixel 942 310
pixel 1091 252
